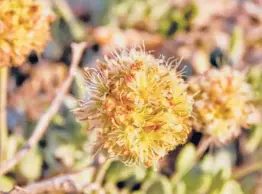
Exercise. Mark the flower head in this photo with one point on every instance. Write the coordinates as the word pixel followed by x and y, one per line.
pixel 222 103
pixel 24 26
pixel 139 105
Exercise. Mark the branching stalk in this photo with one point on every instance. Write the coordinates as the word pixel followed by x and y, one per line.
pixel 3 118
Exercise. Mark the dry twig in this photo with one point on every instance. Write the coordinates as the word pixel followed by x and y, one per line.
pixel 203 146
pixel 16 190
pixel 41 126
pixel 68 183
pixel 3 123
pixel 72 183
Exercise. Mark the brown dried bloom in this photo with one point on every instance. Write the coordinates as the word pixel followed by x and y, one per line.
pixel 222 103
pixel 24 26
pixel 139 104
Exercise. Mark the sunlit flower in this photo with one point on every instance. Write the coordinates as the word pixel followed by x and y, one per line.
pixel 138 105
pixel 24 26
pixel 222 103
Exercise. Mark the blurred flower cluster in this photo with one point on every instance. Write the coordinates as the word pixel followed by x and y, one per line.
pixel 222 103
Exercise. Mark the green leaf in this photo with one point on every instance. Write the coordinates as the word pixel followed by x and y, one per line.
pixel 237 45
pixel 254 77
pixel 186 159
pixel 232 187
pixel 14 142
pixel 58 120
pixel 255 139
pixel 6 183
pixel 110 188
pixel 224 161
pixel 85 176
pixel 158 185
pixel 79 90
pixel 119 172
pixel 138 192
pixel 31 165
pixel 180 188
pixel 248 183
pixel 196 181
pixel 190 12
pixel 207 164
pixel 217 184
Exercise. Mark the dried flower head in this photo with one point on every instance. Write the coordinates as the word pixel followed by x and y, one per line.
pixel 139 104
pixel 24 26
pixel 222 103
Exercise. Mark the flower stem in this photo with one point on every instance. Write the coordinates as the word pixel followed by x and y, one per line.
pixel 3 118
pixel 247 169
pixel 203 146
pixel 102 171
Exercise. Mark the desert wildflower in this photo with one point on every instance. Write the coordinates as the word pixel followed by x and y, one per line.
pixel 139 105
pixel 24 26
pixel 222 103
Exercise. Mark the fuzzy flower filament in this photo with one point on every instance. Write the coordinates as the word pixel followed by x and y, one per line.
pixel 138 105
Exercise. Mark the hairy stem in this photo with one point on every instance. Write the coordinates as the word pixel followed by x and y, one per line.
pixel 3 122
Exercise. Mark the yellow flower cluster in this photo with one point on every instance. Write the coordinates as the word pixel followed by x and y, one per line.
pixel 24 26
pixel 139 106
pixel 222 103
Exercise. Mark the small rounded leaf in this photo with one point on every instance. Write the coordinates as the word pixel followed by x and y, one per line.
pixel 158 185
pixel 186 159
pixel 232 187
pixel 31 165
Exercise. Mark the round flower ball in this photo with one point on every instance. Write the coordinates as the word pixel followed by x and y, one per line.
pixel 24 26
pixel 222 103
pixel 138 105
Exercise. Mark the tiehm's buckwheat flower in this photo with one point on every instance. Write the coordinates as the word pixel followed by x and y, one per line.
pixel 222 103
pixel 139 106
pixel 24 26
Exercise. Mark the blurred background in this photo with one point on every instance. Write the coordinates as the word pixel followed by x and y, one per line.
pixel 203 33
